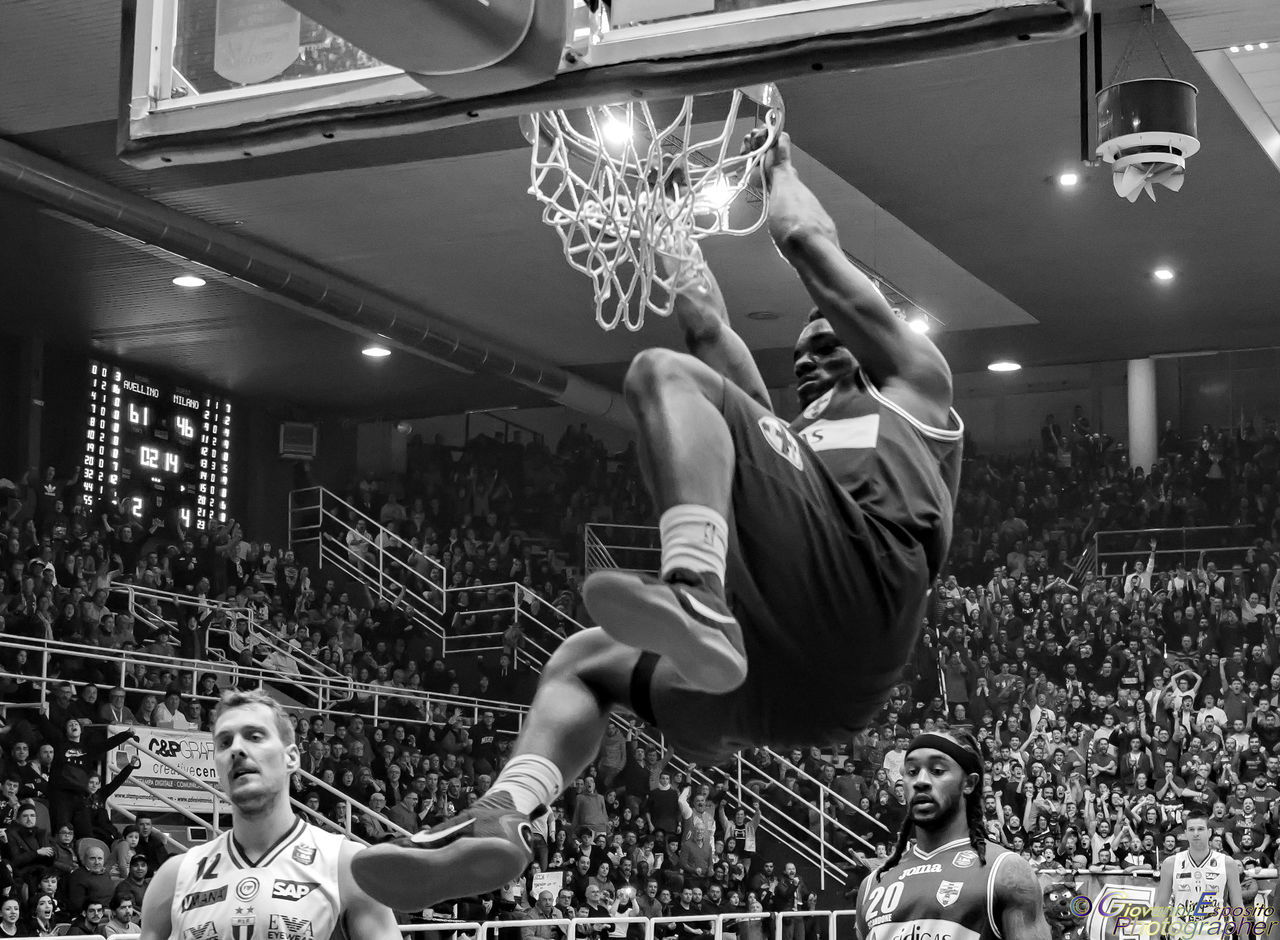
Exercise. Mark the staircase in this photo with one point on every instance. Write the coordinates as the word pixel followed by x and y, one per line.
pixel 388 567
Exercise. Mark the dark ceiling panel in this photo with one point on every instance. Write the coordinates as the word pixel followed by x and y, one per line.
pixel 958 150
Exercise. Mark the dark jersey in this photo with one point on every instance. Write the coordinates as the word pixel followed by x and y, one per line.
pixel 899 470
pixel 944 893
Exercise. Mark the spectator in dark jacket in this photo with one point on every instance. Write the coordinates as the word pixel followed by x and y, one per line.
pixel 92 882
pixel 151 842
pixel 28 846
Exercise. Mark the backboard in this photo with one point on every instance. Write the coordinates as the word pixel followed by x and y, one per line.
pixel 209 80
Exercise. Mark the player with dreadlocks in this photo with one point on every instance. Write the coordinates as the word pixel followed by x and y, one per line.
pixel 942 879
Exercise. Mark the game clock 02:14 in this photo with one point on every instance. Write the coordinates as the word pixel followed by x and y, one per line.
pixel 156 452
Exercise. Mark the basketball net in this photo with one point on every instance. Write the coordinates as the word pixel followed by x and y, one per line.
pixel 621 188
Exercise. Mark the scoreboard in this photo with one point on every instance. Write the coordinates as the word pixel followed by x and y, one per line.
pixel 156 450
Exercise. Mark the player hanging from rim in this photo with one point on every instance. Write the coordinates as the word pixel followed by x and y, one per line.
pixel 942 878
pixel 271 872
pixel 827 535
pixel 1198 886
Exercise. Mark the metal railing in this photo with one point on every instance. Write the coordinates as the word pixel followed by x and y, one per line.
pixel 386 582
pixel 1222 544
pixel 224 623
pixel 579 928
pixel 121 662
pixel 382 558
pixel 626 547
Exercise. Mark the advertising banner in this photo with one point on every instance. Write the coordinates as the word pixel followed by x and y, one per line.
pixel 189 751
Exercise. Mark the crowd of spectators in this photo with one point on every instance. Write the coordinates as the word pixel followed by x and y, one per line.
pixel 1115 694
pixel 1111 695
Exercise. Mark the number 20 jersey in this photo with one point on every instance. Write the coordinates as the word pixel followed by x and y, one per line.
pixel 291 893
pixel 946 894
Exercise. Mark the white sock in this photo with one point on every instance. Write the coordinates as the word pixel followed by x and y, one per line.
pixel 693 537
pixel 531 781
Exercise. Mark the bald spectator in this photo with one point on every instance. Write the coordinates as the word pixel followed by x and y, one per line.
pixel 92 883
pixel 543 909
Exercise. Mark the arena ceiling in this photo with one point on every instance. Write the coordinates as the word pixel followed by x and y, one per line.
pixel 941 176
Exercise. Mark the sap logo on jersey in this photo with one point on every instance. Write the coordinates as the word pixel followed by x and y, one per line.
pixel 934 869
pixel 781 440
pixel 289 928
pixel 203 898
pixel 292 890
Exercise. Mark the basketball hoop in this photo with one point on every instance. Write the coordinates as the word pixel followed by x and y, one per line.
pixel 621 187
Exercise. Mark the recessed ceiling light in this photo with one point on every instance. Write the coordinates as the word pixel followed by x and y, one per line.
pixel 1162 274
pixel 1235 49
pixel 1003 365
pixel 188 280
pixel 919 325
pixel 375 351
pixel 1248 47
pixel 1264 45
pixel 1069 179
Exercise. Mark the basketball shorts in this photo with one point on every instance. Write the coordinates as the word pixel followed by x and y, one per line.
pixel 830 602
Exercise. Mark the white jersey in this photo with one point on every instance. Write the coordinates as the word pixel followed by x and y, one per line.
pixel 1199 894
pixel 291 893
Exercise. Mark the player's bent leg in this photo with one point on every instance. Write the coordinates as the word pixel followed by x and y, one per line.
pixel 489 845
pixel 687 455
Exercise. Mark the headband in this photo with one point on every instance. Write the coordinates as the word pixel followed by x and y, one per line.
pixel 969 762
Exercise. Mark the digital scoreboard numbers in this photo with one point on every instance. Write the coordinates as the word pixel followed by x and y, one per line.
pixel 156 451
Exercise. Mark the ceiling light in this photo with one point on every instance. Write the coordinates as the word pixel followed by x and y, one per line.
pixel 1069 179
pixel 188 280
pixel 1248 47
pixel 715 196
pixel 1264 45
pixel 616 132
pixel 1162 274
pixel 1003 365
pixel 919 325
pixel 376 351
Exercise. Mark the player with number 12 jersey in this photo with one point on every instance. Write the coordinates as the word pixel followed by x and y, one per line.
pixel 271 876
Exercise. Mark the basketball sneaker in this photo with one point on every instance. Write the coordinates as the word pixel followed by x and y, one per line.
pixel 683 617
pixel 479 850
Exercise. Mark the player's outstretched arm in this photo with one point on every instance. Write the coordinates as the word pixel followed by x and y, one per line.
pixel 899 361
pixel 1021 901
pixel 366 919
pixel 157 902
pixel 704 319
